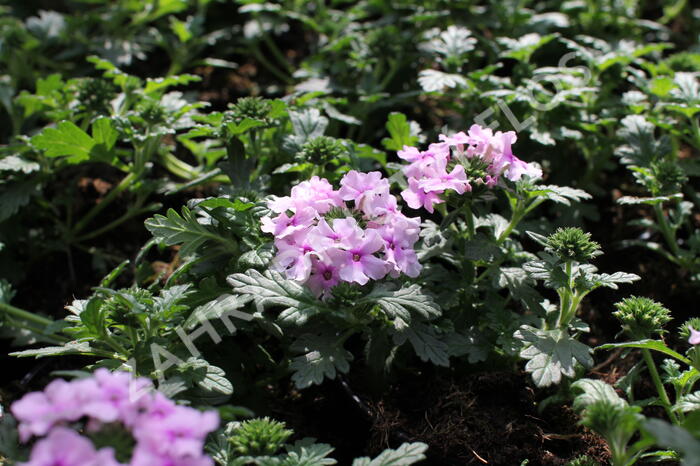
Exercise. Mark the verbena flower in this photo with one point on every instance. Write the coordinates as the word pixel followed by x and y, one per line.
pixel 694 338
pixel 356 234
pixel 479 156
pixel 164 433
pixel 65 447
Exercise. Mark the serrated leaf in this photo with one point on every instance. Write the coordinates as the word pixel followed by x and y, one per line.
pixel 400 132
pixel 72 347
pixel 304 453
pixel 215 309
pixel 271 289
pixel 14 196
pixel 104 133
pixel 593 391
pixel 174 229
pixel 642 146
pixel 407 453
pixel 323 357
pixel 258 258
pixel 15 163
pixel 612 280
pixel 677 438
pixel 401 303
pixel 687 403
pixel 205 376
pixel 561 194
pixel 65 140
pixel 551 354
pixel 426 343
pixel 435 81
pixel 236 204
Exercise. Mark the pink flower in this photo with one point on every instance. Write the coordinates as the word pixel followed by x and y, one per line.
pixel 694 338
pixel 323 277
pixel 161 429
pixel 365 189
pixel 65 447
pixel 147 457
pixel 416 197
pixel 316 193
pixel 294 255
pixel 321 252
pixel 284 225
pixel 441 181
pixel 179 434
pixel 358 263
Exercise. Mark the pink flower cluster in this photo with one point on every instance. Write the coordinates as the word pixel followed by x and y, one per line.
pixel 479 156
pixel 323 239
pixel 166 434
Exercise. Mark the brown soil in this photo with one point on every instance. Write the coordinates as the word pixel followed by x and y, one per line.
pixel 485 418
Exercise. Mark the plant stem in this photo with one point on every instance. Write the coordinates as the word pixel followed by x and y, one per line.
pixel 129 214
pixel 469 218
pixel 666 230
pixel 659 385
pixel 123 185
pixel 25 315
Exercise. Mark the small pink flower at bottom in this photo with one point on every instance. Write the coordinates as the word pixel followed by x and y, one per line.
pixel 694 338
pixel 323 277
pixel 65 447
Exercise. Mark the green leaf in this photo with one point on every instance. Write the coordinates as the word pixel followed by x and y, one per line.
pixel 612 280
pixel 215 309
pixel 271 289
pixel 425 342
pixel 631 200
pixel 642 147
pixel 687 403
pixel 407 453
pixel 400 132
pixel 104 133
pixel 437 81
pixel 593 391
pixel 323 356
pixel 676 438
pixel 481 250
pixel 176 229
pixel 73 347
pixel 14 197
pixel 15 163
pixel 258 258
pixel 9 438
pixel 400 304
pixel 654 345
pixel 65 140
pixel 235 204
pixel 246 124
pixel 560 194
pixel 551 354
pixel 305 453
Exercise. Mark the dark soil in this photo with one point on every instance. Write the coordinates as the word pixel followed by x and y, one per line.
pixel 483 418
